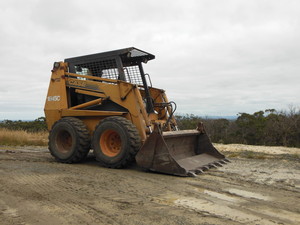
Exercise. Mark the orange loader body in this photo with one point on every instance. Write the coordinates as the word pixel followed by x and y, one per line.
pixel 106 102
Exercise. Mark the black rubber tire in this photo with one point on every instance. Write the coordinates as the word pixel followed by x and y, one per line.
pixel 69 140
pixel 128 138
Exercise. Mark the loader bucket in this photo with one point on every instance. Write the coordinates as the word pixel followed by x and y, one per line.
pixel 183 153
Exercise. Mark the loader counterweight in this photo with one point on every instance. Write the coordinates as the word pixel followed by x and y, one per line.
pixel 106 102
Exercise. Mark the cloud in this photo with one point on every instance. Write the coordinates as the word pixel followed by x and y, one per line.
pixel 212 57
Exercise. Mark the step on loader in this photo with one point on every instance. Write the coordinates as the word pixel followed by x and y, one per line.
pixel 106 102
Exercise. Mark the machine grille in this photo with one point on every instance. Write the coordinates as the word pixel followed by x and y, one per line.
pixel 108 69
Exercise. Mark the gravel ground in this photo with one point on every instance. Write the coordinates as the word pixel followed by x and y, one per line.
pixel 258 188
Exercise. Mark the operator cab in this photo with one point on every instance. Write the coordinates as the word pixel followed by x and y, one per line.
pixel 123 64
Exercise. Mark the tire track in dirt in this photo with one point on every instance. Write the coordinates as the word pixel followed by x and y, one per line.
pixel 227 196
pixel 68 186
pixel 35 190
pixel 73 181
pixel 60 195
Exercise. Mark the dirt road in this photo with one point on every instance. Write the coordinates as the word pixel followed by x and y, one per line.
pixel 34 189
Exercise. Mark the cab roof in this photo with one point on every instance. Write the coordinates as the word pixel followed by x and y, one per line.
pixel 131 54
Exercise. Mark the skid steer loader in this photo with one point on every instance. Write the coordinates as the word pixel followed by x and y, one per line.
pixel 106 102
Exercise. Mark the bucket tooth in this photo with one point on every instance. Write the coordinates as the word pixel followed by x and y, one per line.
pixel 212 166
pixel 223 162
pixel 199 171
pixel 204 168
pixel 218 164
pixel 226 160
pixel 191 174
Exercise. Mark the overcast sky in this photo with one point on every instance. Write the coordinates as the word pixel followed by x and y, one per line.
pixel 213 57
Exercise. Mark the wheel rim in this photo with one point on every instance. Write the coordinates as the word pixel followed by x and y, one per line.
pixel 64 141
pixel 110 143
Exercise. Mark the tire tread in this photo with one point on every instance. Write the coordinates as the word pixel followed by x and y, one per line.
pixel 134 142
pixel 83 146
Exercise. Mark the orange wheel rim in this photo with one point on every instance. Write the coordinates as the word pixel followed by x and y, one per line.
pixel 110 143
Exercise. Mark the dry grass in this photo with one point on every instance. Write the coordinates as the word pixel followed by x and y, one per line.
pixel 21 137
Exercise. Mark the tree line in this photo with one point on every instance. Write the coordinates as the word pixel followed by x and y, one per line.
pixel 268 127
pixel 36 125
